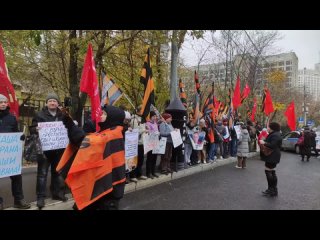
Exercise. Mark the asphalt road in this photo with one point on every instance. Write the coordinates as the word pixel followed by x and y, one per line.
pixel 227 187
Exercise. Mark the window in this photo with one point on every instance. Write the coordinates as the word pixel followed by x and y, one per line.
pixel 288 62
pixel 288 68
pixel 289 74
pixel 281 63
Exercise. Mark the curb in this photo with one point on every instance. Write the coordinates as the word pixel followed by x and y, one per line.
pixel 132 187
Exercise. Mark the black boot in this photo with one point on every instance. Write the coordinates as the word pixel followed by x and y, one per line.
pixel 274 187
pixel 40 203
pixel 269 180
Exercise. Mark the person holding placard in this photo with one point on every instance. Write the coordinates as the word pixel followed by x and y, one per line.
pixel 50 113
pixel 152 127
pixel 165 129
pixel 8 123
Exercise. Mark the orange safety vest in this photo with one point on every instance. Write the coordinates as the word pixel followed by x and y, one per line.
pixel 98 166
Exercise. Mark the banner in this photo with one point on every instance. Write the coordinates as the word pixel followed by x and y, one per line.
pixel 150 141
pixel 161 147
pixel 131 149
pixel 176 138
pixel 197 139
pixel 53 135
pixel 10 154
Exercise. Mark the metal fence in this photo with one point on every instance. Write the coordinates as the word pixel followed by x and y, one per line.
pixel 29 107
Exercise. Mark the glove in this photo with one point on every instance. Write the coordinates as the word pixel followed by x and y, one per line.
pixel 23 137
pixel 67 121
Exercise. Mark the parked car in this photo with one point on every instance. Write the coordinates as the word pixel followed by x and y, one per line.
pixel 289 141
pixel 318 141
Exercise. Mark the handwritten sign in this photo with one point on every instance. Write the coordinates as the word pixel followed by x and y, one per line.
pixel 53 135
pixel 238 131
pixel 161 147
pixel 197 139
pixel 131 149
pixel 150 141
pixel 10 154
pixel 176 138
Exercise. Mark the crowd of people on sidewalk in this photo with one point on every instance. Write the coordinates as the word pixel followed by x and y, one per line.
pixel 221 141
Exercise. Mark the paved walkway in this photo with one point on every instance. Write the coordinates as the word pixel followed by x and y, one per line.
pixel 131 187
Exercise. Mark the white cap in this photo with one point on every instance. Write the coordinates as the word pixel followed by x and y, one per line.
pixel 3 98
pixel 127 115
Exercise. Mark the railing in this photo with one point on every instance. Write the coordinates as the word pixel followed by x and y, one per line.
pixel 29 107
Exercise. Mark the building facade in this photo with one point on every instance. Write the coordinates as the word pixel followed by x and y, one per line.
pixel 252 69
pixel 310 79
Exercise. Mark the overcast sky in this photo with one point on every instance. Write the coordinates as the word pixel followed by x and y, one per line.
pixel 305 43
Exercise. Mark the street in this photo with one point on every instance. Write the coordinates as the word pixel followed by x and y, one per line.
pixel 222 188
pixel 227 187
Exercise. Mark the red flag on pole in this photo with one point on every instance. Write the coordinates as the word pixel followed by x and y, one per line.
pixel 254 109
pixel 6 87
pixel 236 100
pixel 3 66
pixel 245 93
pixel 268 106
pixel 89 85
pixel 291 116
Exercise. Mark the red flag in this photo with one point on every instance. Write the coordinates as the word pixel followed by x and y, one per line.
pixel 268 106
pixel 6 87
pixel 254 109
pixel 89 85
pixel 3 66
pixel 245 93
pixel 236 100
pixel 291 116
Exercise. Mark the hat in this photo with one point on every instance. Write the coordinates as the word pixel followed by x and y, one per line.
pixel 52 96
pixel 3 98
pixel 152 113
pixel 166 116
pixel 243 126
pixel 127 115
pixel 274 126
pixel 202 121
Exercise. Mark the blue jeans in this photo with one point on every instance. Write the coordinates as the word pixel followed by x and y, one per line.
pixel 233 147
pixel 212 151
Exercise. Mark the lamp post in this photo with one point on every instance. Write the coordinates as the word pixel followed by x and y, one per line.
pixel 304 99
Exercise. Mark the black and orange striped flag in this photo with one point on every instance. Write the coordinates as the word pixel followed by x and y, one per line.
pixel 147 81
pixel 196 80
pixel 183 96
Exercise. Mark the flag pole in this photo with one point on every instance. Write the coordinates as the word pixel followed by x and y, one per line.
pixel 129 101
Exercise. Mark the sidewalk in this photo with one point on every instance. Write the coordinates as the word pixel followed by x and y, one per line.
pixel 131 187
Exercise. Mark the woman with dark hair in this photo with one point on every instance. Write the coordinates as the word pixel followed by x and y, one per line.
pixel 274 142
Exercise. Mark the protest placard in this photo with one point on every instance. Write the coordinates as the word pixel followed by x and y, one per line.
pixel 161 147
pixel 237 128
pixel 150 141
pixel 53 135
pixel 10 154
pixel 197 139
pixel 176 138
pixel 131 149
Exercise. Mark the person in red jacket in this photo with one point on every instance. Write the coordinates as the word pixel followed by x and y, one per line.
pixel 262 136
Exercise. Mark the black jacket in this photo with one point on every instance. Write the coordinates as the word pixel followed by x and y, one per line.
pixel 273 141
pixel 45 116
pixel 8 122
